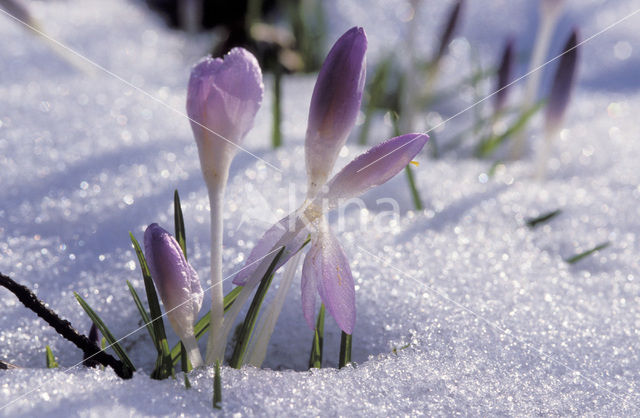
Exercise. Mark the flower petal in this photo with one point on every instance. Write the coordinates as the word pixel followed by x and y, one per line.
pixel 372 168
pixel 327 267
pixel 283 233
pixel 177 282
pixel 334 105
pixel 224 96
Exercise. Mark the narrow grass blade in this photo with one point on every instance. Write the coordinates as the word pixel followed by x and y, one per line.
pixel 51 360
pixel 164 357
pixel 489 145
pixel 345 350
pixel 315 359
pixel 184 360
pixel 201 327
pixel 578 257
pixel 252 314
pixel 187 383
pixel 545 217
pixel 415 195
pixel 122 355
pixel 143 313
pixel 217 386
pixel 276 134
pixel 178 221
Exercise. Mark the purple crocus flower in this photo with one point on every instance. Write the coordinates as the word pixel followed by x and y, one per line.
pixel 326 269
pixel 222 101
pixel 334 105
pixel 562 84
pixel 504 75
pixel 178 285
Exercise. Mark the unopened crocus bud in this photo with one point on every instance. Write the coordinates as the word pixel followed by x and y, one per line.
pixel 223 98
pixel 562 84
pixel 504 76
pixel 94 338
pixel 178 285
pixel 334 105
pixel 449 30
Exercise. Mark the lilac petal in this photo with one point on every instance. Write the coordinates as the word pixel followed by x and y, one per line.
pixel 283 233
pixel 327 267
pixel 224 95
pixel 177 282
pixel 372 168
pixel 335 104
pixel 562 84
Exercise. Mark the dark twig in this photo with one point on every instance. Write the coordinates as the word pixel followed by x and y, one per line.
pixel 63 327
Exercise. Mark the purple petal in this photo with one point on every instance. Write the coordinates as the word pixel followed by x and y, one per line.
pixel 335 104
pixel 372 168
pixel 283 233
pixel 562 83
pixel 224 95
pixel 327 267
pixel 177 282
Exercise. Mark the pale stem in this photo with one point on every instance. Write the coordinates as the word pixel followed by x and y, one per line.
pixel 258 349
pixel 216 199
pixel 193 352
pixel 543 39
pixel 542 162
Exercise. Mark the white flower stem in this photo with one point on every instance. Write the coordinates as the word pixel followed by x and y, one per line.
pixel 216 200
pixel 258 349
pixel 193 352
pixel 548 22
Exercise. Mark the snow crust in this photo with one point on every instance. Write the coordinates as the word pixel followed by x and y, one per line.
pixel 495 321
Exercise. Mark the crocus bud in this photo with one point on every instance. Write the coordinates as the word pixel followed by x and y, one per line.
pixel 94 338
pixel 504 75
pixel 334 105
pixel 551 7
pixel 448 30
pixel 223 98
pixel 562 84
pixel 177 283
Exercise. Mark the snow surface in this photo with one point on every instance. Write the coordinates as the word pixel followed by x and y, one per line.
pixel 497 323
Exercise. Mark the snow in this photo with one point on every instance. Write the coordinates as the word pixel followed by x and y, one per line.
pixel 497 323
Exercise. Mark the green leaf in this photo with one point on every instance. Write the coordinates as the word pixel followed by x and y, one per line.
pixel 415 194
pixel 217 386
pixel 315 359
pixel 276 133
pixel 178 221
pixel 376 91
pixel 164 366
pixel 51 360
pixel 143 313
pixel 345 350
pixel 252 314
pixel 488 145
pixel 184 360
pixel 545 217
pixel 187 383
pixel 203 324
pixel 578 257
pixel 113 343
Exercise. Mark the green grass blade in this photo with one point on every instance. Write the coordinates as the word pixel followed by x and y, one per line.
pixel 376 95
pixel 178 221
pixel 488 145
pixel 143 313
pixel 585 254
pixel 545 217
pixel 164 356
pixel 184 360
pixel 203 324
pixel 345 350
pixel 415 194
pixel 217 386
pixel 187 383
pixel 51 360
pixel 252 314
pixel 315 359
pixel 113 343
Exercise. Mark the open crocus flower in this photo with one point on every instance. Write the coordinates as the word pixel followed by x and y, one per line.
pixel 222 101
pixel 178 285
pixel 326 269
